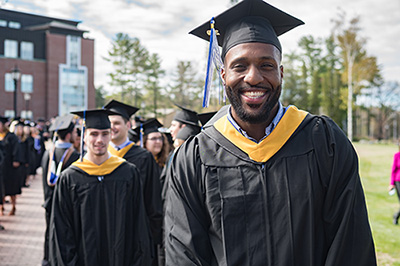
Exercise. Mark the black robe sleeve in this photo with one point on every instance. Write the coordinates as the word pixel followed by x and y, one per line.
pixel 186 224
pixel 345 215
pixel 63 240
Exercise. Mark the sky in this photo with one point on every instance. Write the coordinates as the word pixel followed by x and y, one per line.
pixel 162 26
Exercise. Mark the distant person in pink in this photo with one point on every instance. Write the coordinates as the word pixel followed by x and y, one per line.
pixel 395 182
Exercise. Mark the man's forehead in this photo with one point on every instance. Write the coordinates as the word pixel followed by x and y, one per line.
pixel 95 130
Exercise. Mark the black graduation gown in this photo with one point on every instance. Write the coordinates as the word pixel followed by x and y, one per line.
pixel 48 190
pixel 2 154
pixel 150 176
pixel 303 204
pixel 11 182
pixel 99 219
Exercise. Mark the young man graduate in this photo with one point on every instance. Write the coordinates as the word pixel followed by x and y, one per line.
pixel 121 146
pixel 98 215
pixel 264 184
pixel 58 158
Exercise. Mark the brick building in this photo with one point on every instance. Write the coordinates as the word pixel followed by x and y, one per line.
pixel 55 61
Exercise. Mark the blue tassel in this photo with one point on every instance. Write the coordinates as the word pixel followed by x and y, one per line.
pixel 214 61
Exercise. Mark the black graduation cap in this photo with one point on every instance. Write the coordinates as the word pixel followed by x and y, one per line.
pixel 186 116
pixel 96 118
pixel 121 109
pixel 149 126
pixel 249 21
pixel 3 119
pixel 132 135
pixel 20 123
pixel 205 117
pixel 187 131
pixel 63 122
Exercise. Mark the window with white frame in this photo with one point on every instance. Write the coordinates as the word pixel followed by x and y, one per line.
pixel 8 82
pixel 27 83
pixel 11 48
pixel 3 23
pixel 27 50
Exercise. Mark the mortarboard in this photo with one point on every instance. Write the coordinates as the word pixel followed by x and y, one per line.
pixel 205 117
pixel 132 135
pixel 187 131
pixel 96 118
pixel 149 126
pixel 3 119
pixel 186 116
pixel 62 123
pixel 249 21
pixel 121 109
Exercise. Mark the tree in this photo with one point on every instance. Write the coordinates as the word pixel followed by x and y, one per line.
pixel 187 87
pixel 353 57
pixel 129 59
pixel 99 97
pixel 153 89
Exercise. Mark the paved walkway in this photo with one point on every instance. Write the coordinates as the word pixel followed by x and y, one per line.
pixel 21 243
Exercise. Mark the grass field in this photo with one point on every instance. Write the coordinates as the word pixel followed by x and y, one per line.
pixel 375 167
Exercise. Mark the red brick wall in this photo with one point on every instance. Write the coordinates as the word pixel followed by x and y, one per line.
pixel 35 68
pixel 87 59
pixel 56 46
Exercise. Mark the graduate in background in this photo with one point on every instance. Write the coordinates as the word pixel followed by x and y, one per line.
pixel 264 184
pixel 54 161
pixel 183 117
pixel 121 146
pixel 98 216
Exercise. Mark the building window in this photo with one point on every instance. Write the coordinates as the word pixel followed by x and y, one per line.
pixel 73 89
pixel 27 83
pixel 27 50
pixel 10 48
pixel 73 51
pixel 3 23
pixel 9 113
pixel 9 82
pixel 26 114
pixel 14 25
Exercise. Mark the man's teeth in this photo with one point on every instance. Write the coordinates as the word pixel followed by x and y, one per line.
pixel 254 94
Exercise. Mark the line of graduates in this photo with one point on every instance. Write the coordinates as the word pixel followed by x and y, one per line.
pixel 261 184
pixel 103 198
pixel 21 150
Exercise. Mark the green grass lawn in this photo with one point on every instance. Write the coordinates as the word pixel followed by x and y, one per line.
pixel 375 168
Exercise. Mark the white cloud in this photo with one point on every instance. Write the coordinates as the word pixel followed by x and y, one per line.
pixel 163 26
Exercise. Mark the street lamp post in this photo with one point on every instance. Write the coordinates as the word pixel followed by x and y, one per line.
pixel 15 74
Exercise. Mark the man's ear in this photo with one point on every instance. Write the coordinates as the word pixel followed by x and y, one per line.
pixel 223 75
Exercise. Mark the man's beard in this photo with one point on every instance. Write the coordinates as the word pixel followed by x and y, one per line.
pixel 265 110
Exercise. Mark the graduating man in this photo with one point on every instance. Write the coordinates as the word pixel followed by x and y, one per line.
pixel 58 158
pixel 264 184
pixel 98 215
pixel 121 146
pixel 182 118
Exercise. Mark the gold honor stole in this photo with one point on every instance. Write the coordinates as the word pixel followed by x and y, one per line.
pixel 99 170
pixel 121 153
pixel 263 151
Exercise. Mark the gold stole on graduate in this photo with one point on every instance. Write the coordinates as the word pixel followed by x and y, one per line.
pixel 99 170
pixel 263 151
pixel 121 153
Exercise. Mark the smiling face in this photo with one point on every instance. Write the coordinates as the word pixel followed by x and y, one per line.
pixel 97 141
pixel 119 129
pixel 253 77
